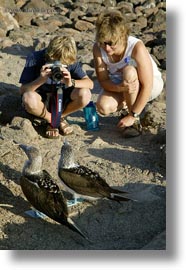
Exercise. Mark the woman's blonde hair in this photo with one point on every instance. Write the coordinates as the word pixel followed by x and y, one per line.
pixel 110 26
pixel 62 49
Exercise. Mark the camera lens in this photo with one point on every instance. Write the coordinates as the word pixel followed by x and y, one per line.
pixel 57 74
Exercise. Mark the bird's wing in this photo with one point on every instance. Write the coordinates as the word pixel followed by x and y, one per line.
pixel 85 181
pixel 51 204
pixel 45 196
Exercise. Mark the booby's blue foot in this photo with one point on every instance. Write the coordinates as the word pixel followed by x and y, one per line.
pixel 35 214
pixel 74 201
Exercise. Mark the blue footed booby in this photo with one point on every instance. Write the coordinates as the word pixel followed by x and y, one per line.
pixel 42 192
pixel 82 182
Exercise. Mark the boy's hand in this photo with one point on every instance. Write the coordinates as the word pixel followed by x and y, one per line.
pixel 66 77
pixel 45 72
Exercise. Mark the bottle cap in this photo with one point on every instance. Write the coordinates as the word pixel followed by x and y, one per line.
pixel 91 103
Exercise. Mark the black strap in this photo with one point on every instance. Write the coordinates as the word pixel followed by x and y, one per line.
pixel 56 106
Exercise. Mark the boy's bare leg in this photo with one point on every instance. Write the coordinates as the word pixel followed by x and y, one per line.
pixel 34 105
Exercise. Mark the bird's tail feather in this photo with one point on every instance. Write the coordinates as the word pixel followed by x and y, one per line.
pixel 121 197
pixel 73 226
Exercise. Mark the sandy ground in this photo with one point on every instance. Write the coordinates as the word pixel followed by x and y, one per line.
pixel 131 164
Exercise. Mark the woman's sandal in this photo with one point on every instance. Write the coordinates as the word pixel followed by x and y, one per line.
pixel 64 127
pixel 50 131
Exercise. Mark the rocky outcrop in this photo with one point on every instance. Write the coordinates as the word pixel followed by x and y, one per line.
pixel 27 23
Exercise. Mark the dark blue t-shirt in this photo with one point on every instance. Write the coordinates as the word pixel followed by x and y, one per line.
pixel 36 60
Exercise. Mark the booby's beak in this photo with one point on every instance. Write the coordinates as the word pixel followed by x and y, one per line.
pixel 24 147
pixel 31 151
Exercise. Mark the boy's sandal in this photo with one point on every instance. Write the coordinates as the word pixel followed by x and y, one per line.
pixel 133 131
pixel 64 127
pixel 52 133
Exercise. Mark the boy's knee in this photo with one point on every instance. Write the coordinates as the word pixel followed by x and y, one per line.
pixel 29 100
pixel 85 97
pixel 27 96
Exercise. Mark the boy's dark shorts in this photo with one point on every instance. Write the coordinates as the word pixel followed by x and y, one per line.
pixel 45 93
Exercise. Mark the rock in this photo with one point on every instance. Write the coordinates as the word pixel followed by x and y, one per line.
pixel 150 12
pixel 152 116
pixel 35 6
pixel 20 130
pixel 84 25
pixel 125 7
pixel 48 25
pixel 98 143
pixel 7 21
pixel 160 52
pixel 109 3
pixel 23 18
pixel 142 21
pixel 2 33
pixel 8 6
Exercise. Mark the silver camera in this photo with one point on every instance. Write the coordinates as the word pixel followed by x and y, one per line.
pixel 57 75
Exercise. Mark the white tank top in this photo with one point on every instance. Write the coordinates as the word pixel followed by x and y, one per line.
pixel 114 67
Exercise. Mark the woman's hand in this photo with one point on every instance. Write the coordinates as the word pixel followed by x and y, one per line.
pixel 129 87
pixel 126 121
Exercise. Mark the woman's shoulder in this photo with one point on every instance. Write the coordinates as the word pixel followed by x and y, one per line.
pixel 133 39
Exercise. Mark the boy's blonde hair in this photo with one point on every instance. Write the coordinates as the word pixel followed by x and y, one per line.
pixel 62 49
pixel 110 26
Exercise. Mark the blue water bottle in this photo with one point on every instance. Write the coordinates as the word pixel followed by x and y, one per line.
pixel 91 116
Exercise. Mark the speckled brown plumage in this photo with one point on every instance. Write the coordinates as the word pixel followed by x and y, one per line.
pixel 43 193
pixel 83 181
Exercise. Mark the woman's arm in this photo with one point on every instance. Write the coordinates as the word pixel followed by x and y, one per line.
pixel 102 72
pixel 145 76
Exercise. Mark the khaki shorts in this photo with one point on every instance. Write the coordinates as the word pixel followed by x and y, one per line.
pixel 157 88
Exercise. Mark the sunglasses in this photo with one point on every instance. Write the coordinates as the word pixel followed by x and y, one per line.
pixel 109 43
